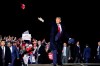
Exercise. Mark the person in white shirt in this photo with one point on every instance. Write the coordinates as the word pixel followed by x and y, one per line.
pixel 14 53
pixel 5 54
pixel 66 54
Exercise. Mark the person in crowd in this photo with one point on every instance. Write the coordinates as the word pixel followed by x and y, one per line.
pixel 41 53
pixel 14 53
pixel 77 53
pixel 35 53
pixel 5 55
pixel 30 52
pixel 98 53
pixel 48 54
pixel 57 37
pixel 66 53
pixel 87 53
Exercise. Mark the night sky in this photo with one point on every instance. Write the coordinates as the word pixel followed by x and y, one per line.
pixel 80 19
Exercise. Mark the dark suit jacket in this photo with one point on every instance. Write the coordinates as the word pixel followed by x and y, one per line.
pixel 0 56
pixel 87 53
pixel 99 54
pixel 68 52
pixel 55 38
pixel 77 52
pixel 7 55
pixel 42 52
pixel 14 53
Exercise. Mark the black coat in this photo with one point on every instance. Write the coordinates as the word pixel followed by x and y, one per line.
pixel 77 52
pixel 54 38
pixel 42 57
pixel 7 56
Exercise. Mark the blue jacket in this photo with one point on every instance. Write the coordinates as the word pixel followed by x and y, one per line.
pixel 14 53
pixel 87 53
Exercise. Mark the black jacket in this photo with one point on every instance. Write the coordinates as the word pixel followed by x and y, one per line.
pixel 7 56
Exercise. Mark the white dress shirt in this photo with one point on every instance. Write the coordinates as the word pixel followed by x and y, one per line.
pixel 59 25
pixel 98 50
pixel 79 47
pixel 64 51
pixel 3 47
pixel 39 47
pixel 11 49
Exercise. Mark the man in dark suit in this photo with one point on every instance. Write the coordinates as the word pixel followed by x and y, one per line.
pixel 0 56
pixel 57 37
pixel 5 54
pixel 14 53
pixel 86 54
pixel 41 53
pixel 98 52
pixel 77 53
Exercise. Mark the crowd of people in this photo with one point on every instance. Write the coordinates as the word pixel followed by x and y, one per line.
pixel 58 50
pixel 26 52
pixel 23 52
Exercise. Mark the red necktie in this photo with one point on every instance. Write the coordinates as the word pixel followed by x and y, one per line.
pixel 58 28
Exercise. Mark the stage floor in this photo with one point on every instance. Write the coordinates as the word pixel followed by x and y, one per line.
pixel 69 64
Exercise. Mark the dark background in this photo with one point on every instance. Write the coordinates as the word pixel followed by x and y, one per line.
pixel 80 19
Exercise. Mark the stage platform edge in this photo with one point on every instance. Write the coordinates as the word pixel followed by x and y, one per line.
pixel 69 64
